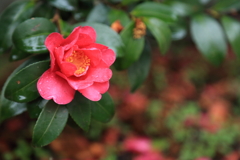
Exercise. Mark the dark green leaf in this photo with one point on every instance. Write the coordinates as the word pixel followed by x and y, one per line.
pixel 154 9
pixel 138 72
pixel 98 14
pixel 226 5
pixel 80 110
pixel 22 86
pixel 14 14
pixel 30 35
pixel 65 5
pixel 17 54
pixel 127 2
pixel 50 124
pixel 43 10
pixel 209 38
pixel 103 110
pixel 160 31
pixel 106 36
pixel 120 15
pixel 133 47
pixel 10 108
pixel 35 107
pixel 232 29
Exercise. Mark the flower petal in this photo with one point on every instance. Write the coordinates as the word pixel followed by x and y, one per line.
pixel 52 86
pixel 52 41
pixel 76 82
pixel 86 37
pixel 98 74
pixel 68 68
pixel 94 92
pixel 96 46
pixel 108 56
pixel 71 39
pixel 94 55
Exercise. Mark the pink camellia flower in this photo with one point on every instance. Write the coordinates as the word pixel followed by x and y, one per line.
pixel 77 64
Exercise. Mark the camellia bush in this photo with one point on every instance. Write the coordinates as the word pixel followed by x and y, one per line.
pixel 70 47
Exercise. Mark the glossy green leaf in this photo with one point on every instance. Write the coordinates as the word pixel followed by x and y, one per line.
pixel 120 15
pixel 13 15
pixel 106 36
pixel 35 107
pixel 154 9
pixel 232 30
pixel 10 108
pixel 133 48
pixel 103 110
pixel 50 124
pixel 65 5
pixel 22 87
pixel 160 31
pixel 209 38
pixel 98 14
pixel 17 54
pixel 226 5
pixel 80 111
pixel 30 35
pixel 138 72
pixel 180 8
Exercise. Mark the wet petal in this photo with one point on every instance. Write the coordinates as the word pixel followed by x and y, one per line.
pixel 94 92
pixel 98 74
pixel 76 82
pixel 52 86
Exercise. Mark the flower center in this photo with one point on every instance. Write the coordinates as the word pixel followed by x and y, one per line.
pixel 80 60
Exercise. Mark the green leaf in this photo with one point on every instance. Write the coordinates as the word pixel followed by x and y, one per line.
pixel 65 5
pixel 160 31
pixel 209 38
pixel 80 110
pixel 106 36
pixel 10 108
pixel 65 28
pixel 43 10
pixel 154 9
pixel 22 86
pixel 35 107
pixel 12 16
pixel 30 35
pixel 103 110
pixel 232 29
pixel 120 15
pixel 180 8
pixel 226 5
pixel 98 14
pixel 50 124
pixel 133 47
pixel 17 54
pixel 138 72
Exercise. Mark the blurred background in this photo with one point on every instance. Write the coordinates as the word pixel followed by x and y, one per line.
pixel 187 109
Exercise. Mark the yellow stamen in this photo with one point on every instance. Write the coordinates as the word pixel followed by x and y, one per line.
pixel 80 60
